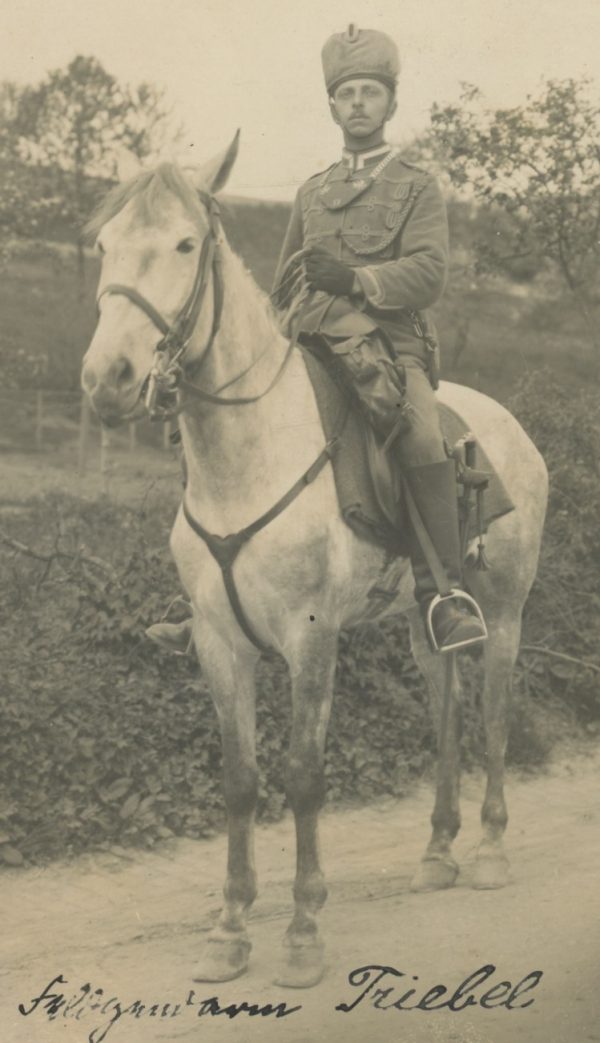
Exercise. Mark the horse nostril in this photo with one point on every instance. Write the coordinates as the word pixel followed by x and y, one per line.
pixel 122 372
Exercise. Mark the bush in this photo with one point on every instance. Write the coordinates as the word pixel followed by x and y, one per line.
pixel 563 612
pixel 103 739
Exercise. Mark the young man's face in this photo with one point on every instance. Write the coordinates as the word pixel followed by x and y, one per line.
pixel 361 107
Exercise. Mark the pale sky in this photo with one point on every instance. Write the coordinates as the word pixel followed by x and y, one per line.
pixel 256 63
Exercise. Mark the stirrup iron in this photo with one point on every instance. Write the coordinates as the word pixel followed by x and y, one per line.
pixel 456 595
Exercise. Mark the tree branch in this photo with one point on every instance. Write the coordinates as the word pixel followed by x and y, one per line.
pixel 560 655
pixel 23 548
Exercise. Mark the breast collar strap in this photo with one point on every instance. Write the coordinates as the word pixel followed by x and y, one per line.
pixel 225 549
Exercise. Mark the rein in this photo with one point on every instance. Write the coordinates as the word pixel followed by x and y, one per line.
pixel 166 376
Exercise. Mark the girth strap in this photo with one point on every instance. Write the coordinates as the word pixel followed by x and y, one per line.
pixel 225 549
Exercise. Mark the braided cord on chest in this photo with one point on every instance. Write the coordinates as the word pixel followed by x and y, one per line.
pixel 385 241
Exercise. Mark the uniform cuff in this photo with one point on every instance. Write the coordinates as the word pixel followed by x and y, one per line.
pixel 357 290
pixel 370 286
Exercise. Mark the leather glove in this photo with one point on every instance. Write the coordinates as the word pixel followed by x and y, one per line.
pixel 324 272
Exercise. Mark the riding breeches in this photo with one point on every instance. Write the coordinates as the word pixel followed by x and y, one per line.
pixel 423 442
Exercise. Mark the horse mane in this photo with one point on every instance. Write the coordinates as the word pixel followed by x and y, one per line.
pixel 148 188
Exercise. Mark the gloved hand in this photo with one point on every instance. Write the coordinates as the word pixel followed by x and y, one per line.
pixel 324 272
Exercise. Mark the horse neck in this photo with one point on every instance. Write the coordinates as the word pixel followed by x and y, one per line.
pixel 228 447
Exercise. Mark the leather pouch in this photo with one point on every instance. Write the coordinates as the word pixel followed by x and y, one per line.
pixel 375 381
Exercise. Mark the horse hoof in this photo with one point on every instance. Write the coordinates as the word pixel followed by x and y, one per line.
pixel 222 960
pixel 434 874
pixel 490 873
pixel 304 966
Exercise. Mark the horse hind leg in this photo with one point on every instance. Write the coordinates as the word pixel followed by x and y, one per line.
pixel 231 683
pixel 312 672
pixel 438 868
pixel 491 866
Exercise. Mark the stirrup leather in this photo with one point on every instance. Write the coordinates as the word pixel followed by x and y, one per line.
pixel 458 595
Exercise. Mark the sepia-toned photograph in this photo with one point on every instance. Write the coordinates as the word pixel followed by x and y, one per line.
pixel 299 521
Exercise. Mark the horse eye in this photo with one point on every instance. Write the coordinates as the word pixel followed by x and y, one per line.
pixel 100 247
pixel 185 246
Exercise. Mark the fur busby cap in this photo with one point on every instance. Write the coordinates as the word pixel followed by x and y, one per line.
pixel 359 53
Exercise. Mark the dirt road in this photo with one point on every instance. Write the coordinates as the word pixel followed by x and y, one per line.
pixel 133 924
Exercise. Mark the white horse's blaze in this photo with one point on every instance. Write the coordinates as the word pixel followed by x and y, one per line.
pixel 306 575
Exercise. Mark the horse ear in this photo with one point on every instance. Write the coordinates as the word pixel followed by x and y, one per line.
pixel 127 164
pixel 214 174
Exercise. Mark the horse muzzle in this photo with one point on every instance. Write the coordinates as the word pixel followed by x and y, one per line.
pixel 114 406
pixel 114 390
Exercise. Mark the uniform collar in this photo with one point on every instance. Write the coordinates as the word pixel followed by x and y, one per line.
pixel 359 160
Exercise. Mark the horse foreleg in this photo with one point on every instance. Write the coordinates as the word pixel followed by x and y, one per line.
pixel 491 867
pixel 231 682
pixel 312 675
pixel 438 868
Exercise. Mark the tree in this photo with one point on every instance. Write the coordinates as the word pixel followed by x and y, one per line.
pixel 19 205
pixel 539 166
pixel 72 124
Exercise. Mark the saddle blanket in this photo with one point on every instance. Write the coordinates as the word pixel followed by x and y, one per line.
pixel 359 502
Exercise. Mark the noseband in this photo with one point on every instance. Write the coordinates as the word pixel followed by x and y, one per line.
pixel 165 375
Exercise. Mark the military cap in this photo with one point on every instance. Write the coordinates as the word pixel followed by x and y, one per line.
pixel 360 53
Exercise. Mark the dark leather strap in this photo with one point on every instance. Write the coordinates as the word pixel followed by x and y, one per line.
pixel 119 289
pixel 225 549
pixel 175 336
pixel 430 554
pixel 243 400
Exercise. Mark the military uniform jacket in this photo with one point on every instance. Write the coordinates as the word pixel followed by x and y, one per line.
pixel 386 219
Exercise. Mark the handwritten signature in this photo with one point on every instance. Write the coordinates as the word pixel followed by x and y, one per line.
pixel 92 1001
pixel 377 985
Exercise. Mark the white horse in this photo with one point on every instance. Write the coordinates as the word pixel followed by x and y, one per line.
pixel 304 576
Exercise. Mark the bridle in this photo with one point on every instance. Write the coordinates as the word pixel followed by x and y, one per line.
pixel 165 376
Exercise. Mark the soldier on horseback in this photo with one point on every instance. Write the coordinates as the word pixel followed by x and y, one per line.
pixel 368 242
pixel 371 233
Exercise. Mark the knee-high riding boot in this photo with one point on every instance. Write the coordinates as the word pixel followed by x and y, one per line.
pixel 454 621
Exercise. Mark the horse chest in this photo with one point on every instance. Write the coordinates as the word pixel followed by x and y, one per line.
pixel 279 571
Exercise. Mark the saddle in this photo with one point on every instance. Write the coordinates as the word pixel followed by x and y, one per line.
pixel 369 487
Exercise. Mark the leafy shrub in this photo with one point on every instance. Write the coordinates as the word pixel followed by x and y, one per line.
pixel 563 613
pixel 104 739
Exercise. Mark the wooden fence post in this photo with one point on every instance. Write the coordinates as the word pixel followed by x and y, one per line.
pixel 85 414
pixel 105 470
pixel 39 418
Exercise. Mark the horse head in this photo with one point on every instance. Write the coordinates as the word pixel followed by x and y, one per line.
pixel 156 234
